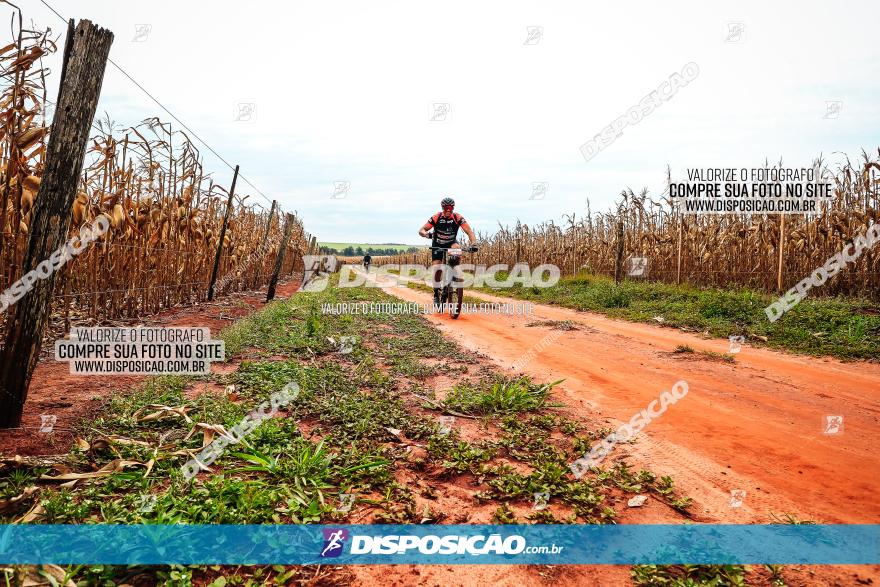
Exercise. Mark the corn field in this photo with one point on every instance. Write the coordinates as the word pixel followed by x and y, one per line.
pixel 715 250
pixel 165 210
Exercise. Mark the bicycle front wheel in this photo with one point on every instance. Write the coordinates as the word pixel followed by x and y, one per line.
pixel 456 298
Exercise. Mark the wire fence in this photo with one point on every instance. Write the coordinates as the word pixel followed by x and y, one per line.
pixel 169 220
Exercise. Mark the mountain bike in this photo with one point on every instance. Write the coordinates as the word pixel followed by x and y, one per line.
pixel 451 295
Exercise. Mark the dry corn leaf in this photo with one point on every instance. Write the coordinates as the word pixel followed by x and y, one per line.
pixel 106 441
pixel 160 412
pixel 208 432
pixel 12 503
pixel 44 576
pixel 32 514
pixel 113 466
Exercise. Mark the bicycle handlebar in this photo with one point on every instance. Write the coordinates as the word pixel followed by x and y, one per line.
pixel 471 249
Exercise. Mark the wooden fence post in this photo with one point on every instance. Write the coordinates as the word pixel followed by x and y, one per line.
pixel 678 266
pixel 618 260
pixel 781 251
pixel 279 260
pixel 82 75
pixel 222 236
pixel 261 252
pixel 296 248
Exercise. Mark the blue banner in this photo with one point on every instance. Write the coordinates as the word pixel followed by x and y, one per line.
pixel 439 544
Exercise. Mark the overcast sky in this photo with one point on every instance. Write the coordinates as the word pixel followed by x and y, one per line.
pixel 346 92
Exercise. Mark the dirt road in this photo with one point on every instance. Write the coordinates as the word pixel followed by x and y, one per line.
pixel 756 425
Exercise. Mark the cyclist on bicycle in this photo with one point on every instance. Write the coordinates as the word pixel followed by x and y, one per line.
pixel 367 260
pixel 445 227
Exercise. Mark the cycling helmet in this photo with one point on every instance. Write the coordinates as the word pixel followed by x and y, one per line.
pixel 447 202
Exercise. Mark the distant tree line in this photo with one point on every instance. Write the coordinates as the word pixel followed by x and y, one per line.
pixel 359 251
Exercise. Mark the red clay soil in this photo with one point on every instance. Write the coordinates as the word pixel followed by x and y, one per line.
pixel 71 398
pixel 754 425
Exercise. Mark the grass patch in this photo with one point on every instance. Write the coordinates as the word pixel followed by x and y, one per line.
pixel 688 575
pixel 499 395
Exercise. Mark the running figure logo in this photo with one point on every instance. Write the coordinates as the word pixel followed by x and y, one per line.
pixel 333 542
pixel 638 267
pixel 833 425
pixel 736 342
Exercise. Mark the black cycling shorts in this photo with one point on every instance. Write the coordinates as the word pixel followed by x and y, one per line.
pixel 437 252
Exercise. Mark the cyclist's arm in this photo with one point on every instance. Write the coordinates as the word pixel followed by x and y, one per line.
pixel 423 231
pixel 469 231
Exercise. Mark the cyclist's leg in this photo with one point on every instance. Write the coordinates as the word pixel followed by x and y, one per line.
pixel 456 292
pixel 437 273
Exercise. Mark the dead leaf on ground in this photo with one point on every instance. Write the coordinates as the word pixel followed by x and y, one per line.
pixel 11 504
pixel 43 575
pixel 113 466
pixel 208 432
pixel 161 411
pixel 32 514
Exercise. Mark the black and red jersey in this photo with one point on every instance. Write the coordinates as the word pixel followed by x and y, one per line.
pixel 445 229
